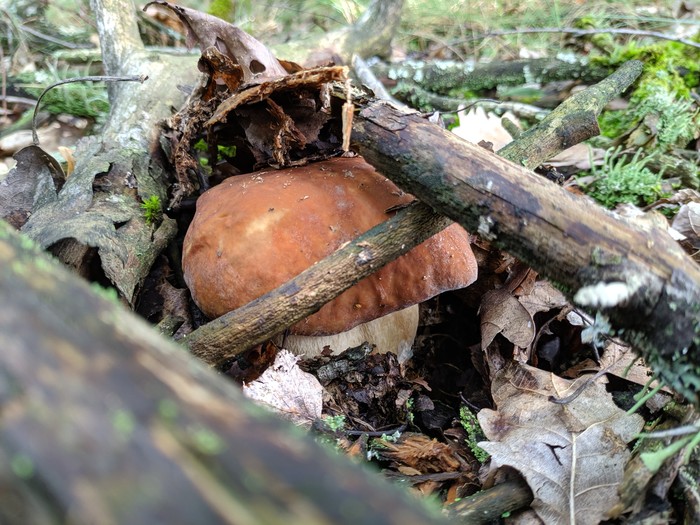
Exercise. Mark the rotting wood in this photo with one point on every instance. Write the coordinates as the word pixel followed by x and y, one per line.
pixel 104 421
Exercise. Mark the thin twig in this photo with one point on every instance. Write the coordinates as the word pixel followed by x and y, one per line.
pixel 568 399
pixel 35 137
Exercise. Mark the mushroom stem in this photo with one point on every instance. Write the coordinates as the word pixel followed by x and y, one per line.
pixel 394 332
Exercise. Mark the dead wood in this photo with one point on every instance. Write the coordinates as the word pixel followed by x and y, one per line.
pixel 440 77
pixel 104 421
pixel 490 504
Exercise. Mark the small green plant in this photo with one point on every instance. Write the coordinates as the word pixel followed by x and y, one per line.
pixel 152 209
pixel 621 180
pixel 675 119
pixel 471 425
pixel 410 405
pixel 335 423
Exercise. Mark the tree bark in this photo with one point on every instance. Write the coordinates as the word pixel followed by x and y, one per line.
pixel 103 421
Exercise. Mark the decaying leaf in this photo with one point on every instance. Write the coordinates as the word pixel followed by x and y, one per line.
pixel 29 185
pixel 477 125
pixel 687 222
pixel 284 387
pixel 420 454
pixel 268 112
pixel 501 313
pixel 572 455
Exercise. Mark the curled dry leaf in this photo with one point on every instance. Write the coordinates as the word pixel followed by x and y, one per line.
pixel 687 222
pixel 289 391
pixel 501 313
pixel 572 455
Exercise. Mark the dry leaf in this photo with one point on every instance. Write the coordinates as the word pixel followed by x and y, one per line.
pixel 286 389
pixel 256 61
pixel 501 313
pixel 477 125
pixel 581 156
pixel 542 298
pixel 687 222
pixel 572 455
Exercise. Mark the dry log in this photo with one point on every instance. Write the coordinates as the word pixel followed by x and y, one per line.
pixel 104 421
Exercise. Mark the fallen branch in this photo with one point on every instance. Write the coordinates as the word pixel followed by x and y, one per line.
pixel 442 76
pixel 583 32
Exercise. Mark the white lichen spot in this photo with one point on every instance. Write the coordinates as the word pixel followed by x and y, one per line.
pixel 529 76
pixel 484 229
pixel 568 57
pixel 489 185
pixel 604 295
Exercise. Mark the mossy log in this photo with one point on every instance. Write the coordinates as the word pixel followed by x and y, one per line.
pixel 104 421
pixel 441 77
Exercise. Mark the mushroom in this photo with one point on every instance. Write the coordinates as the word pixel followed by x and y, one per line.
pixel 252 233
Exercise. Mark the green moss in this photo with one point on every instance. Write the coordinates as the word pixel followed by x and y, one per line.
pixel 661 99
pixel 475 434
pixel 207 441
pixel 22 465
pixel 615 123
pixel 621 180
pixel 335 423
pixel 222 9
pixel 152 209
pixel 123 423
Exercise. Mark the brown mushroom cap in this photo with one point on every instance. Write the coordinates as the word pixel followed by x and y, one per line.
pixel 253 233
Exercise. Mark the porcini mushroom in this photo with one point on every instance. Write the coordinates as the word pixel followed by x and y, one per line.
pixel 252 233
